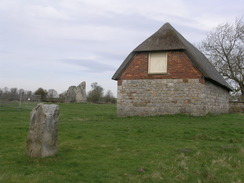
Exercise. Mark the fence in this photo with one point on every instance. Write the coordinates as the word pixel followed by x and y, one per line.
pixel 18 103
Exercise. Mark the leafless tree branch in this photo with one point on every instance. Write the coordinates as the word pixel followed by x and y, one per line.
pixel 224 47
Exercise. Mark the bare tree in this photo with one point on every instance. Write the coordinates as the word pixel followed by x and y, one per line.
pixel 41 92
pixel 21 91
pixel 224 48
pixel 13 93
pixel 6 90
pixel 96 94
pixel 109 97
pixel 51 93
pixel 29 94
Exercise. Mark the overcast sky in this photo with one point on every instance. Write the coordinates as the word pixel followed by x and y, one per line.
pixel 59 43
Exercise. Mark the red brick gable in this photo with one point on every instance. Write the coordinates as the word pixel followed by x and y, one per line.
pixel 179 66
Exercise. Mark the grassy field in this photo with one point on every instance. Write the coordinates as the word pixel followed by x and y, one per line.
pixel 16 105
pixel 97 147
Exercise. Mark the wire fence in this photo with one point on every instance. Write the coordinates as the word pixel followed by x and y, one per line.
pixel 20 103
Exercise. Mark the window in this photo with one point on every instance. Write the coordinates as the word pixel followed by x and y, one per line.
pixel 157 63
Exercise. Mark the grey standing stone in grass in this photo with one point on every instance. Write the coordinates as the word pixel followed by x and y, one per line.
pixel 76 94
pixel 70 96
pixel 81 92
pixel 43 132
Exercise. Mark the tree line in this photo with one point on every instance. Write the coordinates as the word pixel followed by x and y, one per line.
pixel 95 95
pixel 10 94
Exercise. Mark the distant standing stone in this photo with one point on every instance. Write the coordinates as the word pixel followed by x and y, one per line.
pixel 43 132
pixel 76 93
pixel 81 92
pixel 70 96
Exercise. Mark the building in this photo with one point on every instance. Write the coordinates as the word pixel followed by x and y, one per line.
pixel 166 74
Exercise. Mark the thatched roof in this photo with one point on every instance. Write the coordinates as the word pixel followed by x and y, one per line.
pixel 167 38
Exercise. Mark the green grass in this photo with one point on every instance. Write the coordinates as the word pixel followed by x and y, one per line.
pixel 16 105
pixel 95 146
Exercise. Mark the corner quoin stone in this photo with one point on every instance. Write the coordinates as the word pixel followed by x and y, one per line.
pixel 43 132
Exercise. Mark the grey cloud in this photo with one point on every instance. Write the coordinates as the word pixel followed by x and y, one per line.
pixel 90 65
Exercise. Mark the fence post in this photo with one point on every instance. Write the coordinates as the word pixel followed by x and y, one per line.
pixel 20 98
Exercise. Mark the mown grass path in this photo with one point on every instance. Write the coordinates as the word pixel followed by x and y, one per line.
pixel 96 146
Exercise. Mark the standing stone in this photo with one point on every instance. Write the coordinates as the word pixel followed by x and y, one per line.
pixel 81 92
pixel 70 96
pixel 43 132
pixel 76 93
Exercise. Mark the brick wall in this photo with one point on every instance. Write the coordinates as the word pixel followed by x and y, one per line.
pixel 178 66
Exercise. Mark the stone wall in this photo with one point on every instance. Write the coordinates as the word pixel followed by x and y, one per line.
pixel 147 97
pixel 236 107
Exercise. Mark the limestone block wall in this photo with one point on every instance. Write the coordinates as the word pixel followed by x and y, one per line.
pixel 147 97
pixel 236 107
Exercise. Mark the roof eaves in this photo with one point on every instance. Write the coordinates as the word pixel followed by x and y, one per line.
pixel 123 66
pixel 228 88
